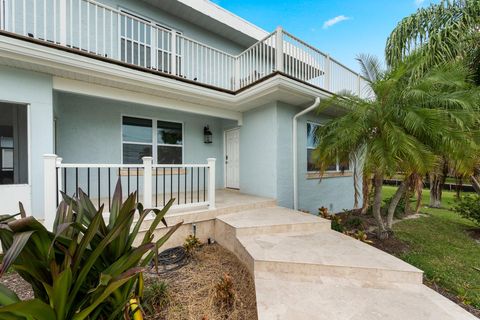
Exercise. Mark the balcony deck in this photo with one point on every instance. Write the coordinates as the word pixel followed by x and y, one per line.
pixel 99 31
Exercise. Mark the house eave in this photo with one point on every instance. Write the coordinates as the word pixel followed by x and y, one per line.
pixel 99 71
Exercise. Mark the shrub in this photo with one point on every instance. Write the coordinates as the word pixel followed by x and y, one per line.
pixel 155 297
pixel 85 268
pixel 353 223
pixel 191 243
pixel 224 293
pixel 469 208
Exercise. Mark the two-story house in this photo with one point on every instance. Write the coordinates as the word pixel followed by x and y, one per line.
pixel 147 91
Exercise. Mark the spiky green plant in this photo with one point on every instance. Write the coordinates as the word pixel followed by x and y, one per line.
pixel 404 126
pixel 84 268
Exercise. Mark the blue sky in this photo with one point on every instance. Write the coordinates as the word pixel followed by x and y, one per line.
pixel 342 28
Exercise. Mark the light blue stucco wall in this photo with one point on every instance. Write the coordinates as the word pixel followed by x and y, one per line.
pixel 266 161
pixel 34 89
pixel 89 130
pixel 187 28
pixel 334 193
pixel 258 151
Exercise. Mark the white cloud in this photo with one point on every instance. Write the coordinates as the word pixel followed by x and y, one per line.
pixel 418 3
pixel 337 19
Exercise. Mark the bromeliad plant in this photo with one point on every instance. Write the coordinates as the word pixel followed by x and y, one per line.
pixel 85 268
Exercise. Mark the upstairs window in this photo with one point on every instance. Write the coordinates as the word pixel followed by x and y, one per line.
pixel 162 140
pixel 312 144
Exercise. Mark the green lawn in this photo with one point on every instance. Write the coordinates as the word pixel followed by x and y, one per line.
pixel 441 247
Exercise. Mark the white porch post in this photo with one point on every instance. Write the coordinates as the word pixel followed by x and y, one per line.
pixel 59 178
pixel 147 182
pixel 328 73
pixel 49 189
pixel 279 47
pixel 211 183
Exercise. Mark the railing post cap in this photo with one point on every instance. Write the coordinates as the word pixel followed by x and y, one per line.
pixel 147 159
pixel 50 156
pixel 212 159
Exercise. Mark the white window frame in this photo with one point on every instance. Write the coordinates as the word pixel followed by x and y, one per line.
pixel 154 144
pixel 337 165
pixel 154 48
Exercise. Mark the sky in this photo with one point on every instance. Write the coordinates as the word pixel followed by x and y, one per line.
pixel 341 28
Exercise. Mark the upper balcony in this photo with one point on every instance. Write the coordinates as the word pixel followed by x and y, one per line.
pixel 100 31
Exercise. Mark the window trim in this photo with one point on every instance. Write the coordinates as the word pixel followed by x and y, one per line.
pixel 154 48
pixel 337 165
pixel 154 143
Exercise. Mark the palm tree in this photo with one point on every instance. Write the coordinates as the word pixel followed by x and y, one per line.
pixel 401 128
pixel 444 32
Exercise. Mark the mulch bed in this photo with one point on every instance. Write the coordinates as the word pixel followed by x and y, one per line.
pixel 192 293
pixel 191 289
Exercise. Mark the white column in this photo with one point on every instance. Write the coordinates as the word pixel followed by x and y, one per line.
pixel 328 73
pixel 174 52
pixel 279 48
pixel 358 85
pixel 59 178
pixel 49 189
pixel 63 22
pixel 147 182
pixel 211 182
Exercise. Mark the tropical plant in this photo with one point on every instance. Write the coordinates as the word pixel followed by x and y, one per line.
pixel 469 208
pixel 191 244
pixel 442 32
pixel 403 127
pixel 84 268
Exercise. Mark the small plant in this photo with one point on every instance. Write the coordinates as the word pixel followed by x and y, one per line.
pixel 323 212
pixel 362 236
pixel 224 292
pixel 353 223
pixel 155 297
pixel 469 207
pixel 84 269
pixel 191 244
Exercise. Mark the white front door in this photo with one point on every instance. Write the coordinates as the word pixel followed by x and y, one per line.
pixel 232 158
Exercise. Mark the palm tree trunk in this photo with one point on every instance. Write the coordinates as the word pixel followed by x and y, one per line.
pixel 436 182
pixel 377 205
pixel 366 184
pixel 419 191
pixel 394 203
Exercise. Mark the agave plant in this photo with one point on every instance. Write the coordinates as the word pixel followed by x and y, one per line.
pixel 84 268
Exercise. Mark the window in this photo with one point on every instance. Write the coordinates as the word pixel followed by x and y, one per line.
pixel 163 140
pixel 139 43
pixel 311 145
pixel 13 144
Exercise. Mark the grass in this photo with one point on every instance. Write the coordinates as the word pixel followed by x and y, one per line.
pixel 441 247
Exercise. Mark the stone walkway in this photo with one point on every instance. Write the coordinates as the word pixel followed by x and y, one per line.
pixel 304 270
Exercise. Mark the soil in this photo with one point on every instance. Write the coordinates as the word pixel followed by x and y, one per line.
pixel 192 293
pixel 15 283
pixel 475 234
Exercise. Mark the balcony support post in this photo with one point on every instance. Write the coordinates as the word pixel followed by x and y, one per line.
pixel 279 49
pixel 328 73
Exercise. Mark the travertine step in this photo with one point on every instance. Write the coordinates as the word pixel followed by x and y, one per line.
pixel 279 296
pixel 327 253
pixel 273 220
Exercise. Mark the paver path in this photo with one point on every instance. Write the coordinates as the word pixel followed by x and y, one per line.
pixel 304 270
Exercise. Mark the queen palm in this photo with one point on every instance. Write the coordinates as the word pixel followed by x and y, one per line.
pixel 400 126
pixel 444 32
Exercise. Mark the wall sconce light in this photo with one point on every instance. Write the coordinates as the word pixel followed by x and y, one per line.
pixel 207 135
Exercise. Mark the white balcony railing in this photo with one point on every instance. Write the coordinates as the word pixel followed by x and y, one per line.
pixel 191 185
pixel 97 29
